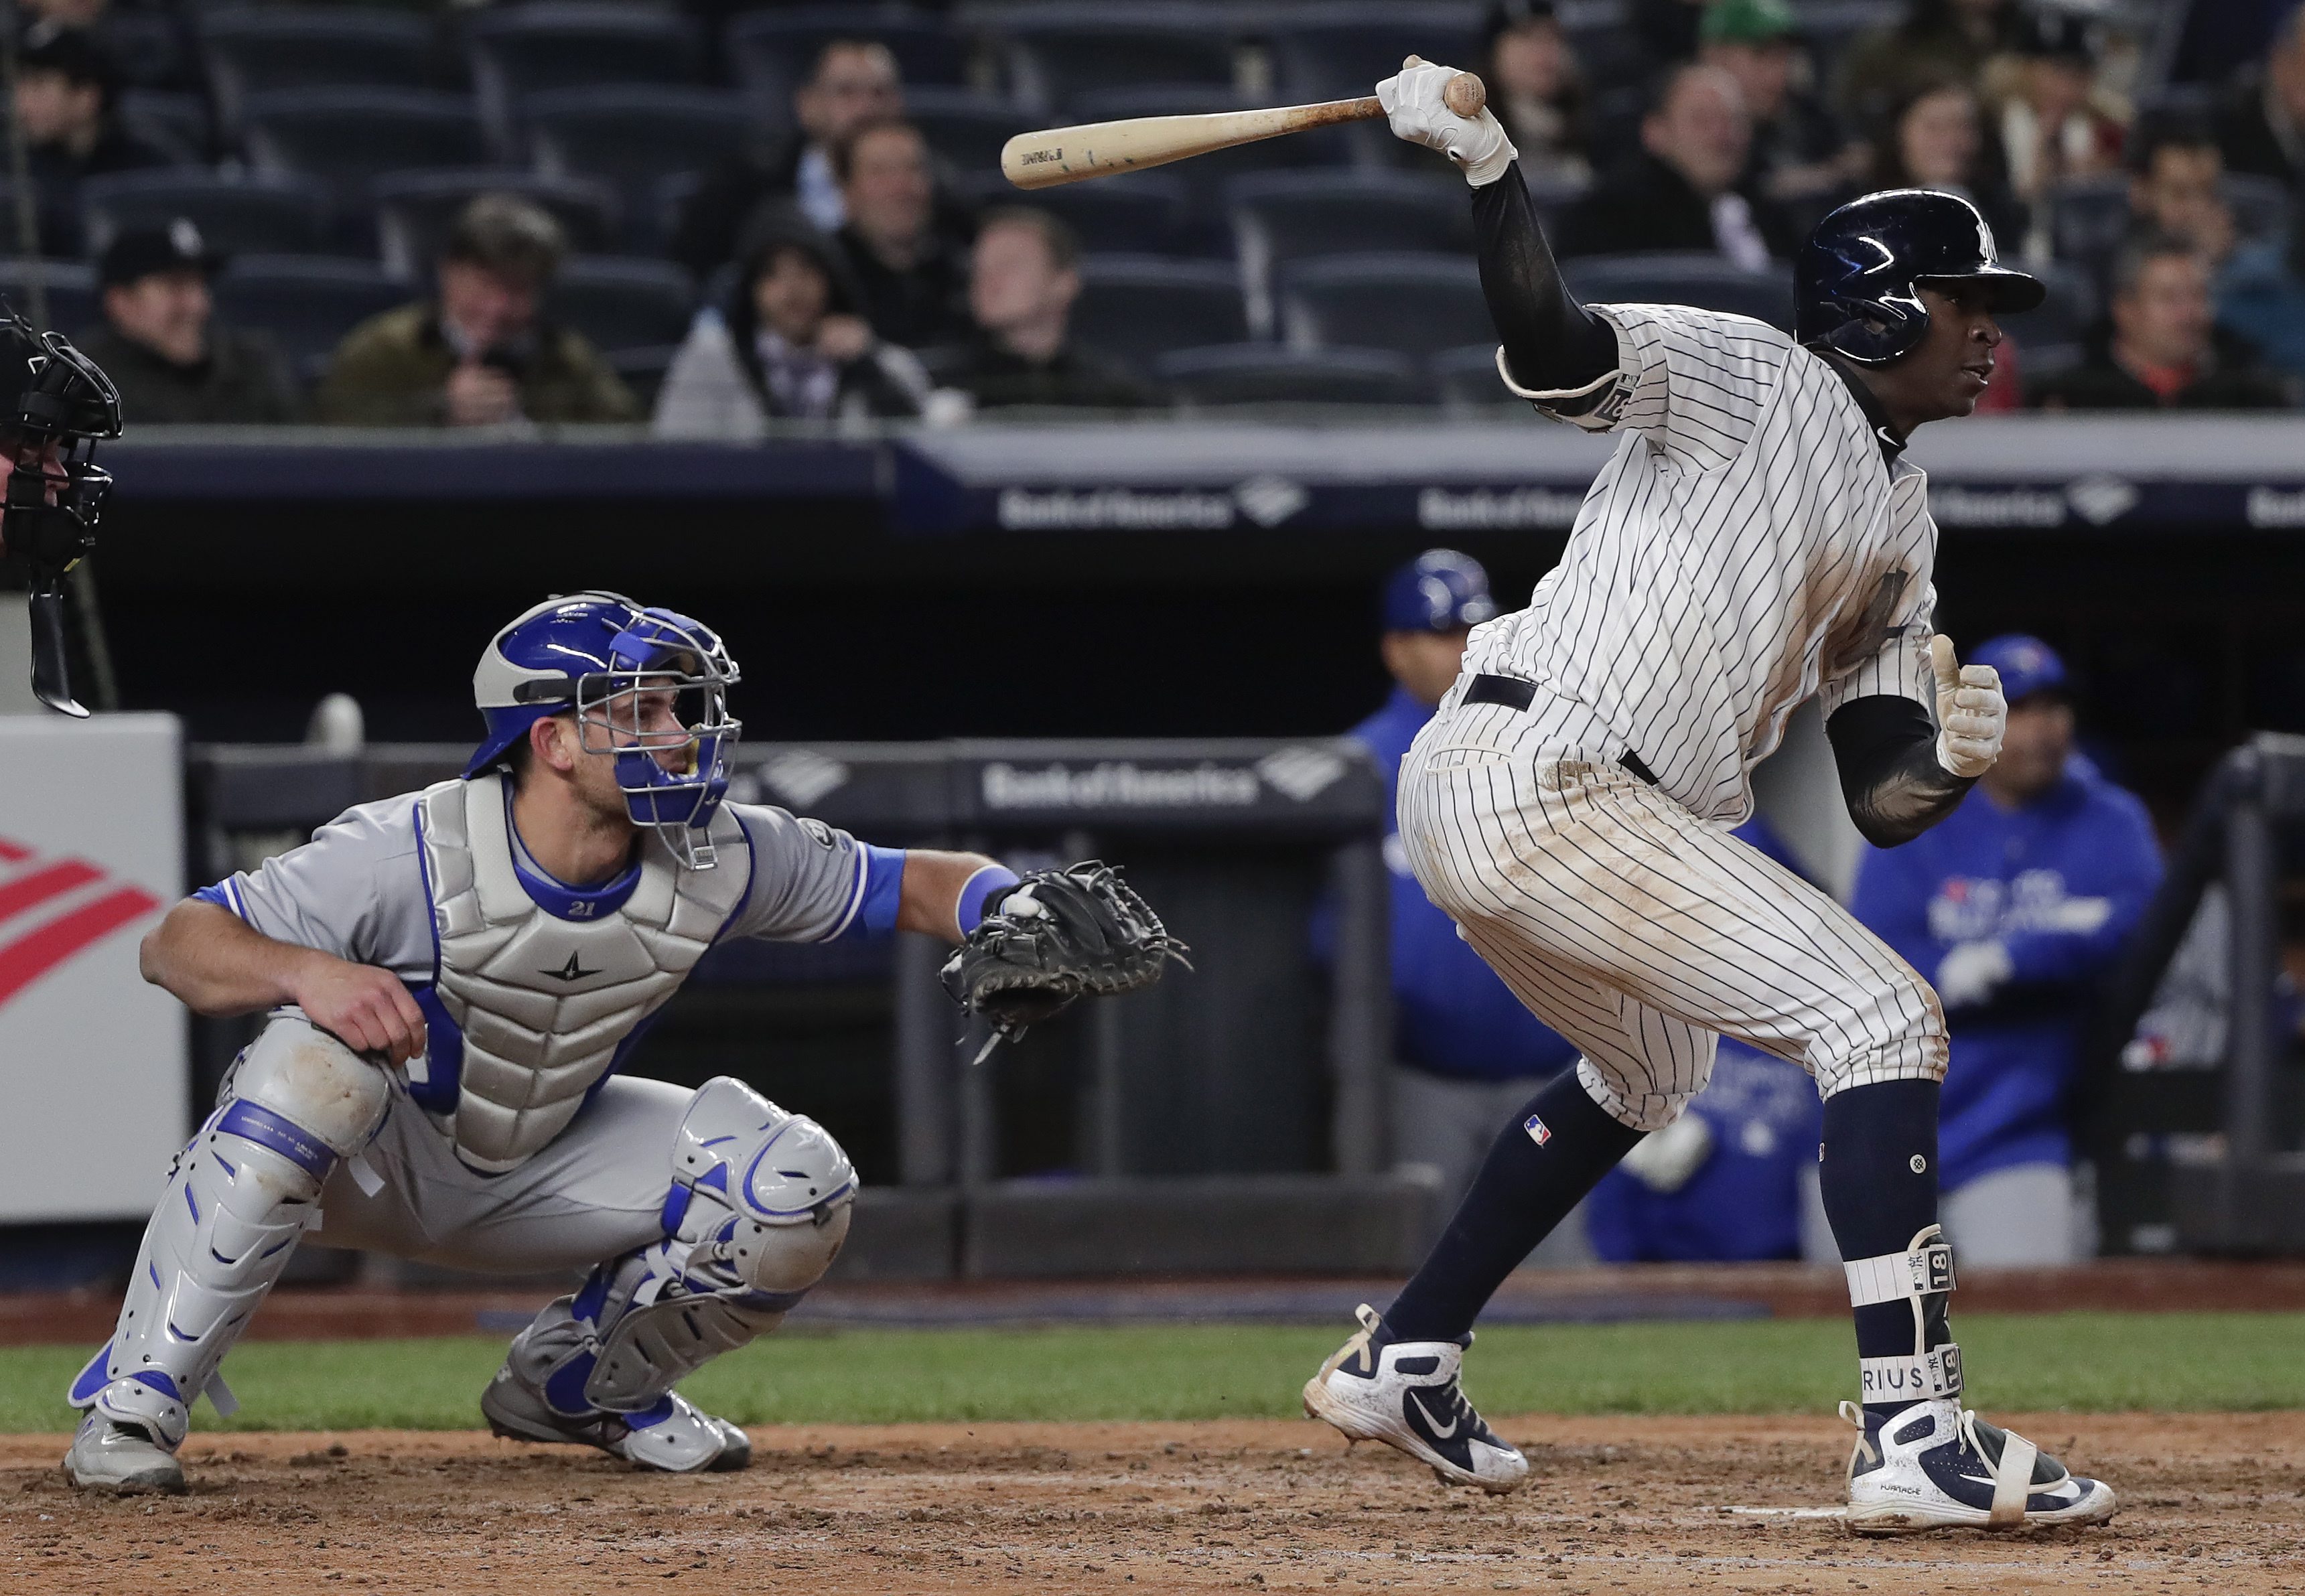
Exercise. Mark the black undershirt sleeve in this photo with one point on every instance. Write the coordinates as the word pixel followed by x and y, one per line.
pixel 1886 751
pixel 1551 342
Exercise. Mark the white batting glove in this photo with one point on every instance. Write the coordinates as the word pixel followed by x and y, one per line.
pixel 1971 974
pixel 1971 713
pixel 1666 1160
pixel 1413 106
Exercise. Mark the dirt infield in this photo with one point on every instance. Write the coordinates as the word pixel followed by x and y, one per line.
pixel 1619 1505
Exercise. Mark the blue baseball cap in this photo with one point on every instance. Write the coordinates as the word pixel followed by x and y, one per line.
pixel 1439 590
pixel 2027 665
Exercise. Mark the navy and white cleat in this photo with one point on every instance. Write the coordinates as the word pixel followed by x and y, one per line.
pixel 1405 1394
pixel 673 1434
pixel 1937 1465
pixel 123 1459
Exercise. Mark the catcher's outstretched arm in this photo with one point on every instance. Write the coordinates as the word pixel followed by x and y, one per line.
pixel 944 894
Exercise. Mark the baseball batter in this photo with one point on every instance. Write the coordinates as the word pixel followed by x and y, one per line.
pixel 1759 538
pixel 454 976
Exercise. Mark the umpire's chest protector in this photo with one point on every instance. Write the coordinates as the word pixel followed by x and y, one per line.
pixel 543 988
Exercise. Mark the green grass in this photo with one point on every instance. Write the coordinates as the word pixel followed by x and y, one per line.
pixel 2083 1362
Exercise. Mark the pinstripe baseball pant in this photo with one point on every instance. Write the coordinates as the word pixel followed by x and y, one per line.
pixel 1639 931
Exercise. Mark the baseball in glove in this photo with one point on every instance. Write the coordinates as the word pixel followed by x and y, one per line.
pixel 1055 935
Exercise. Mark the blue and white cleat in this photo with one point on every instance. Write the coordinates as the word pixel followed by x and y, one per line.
pixel 672 1434
pixel 1405 1394
pixel 1936 1465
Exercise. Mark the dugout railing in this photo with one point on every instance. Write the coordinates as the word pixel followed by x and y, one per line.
pixel 2195 1123
pixel 1232 1118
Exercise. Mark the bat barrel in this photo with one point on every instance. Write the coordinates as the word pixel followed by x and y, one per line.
pixel 1061 155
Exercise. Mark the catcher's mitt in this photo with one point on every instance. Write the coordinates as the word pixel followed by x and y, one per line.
pixel 1053 937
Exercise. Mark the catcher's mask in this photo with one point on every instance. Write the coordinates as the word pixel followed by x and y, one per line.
pixel 643 683
pixel 63 404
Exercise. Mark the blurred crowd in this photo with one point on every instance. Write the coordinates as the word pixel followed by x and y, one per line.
pixel 722 216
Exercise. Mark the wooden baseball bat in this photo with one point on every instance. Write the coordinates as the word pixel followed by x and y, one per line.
pixel 1060 154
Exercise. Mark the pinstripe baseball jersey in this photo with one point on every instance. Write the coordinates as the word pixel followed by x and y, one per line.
pixel 1752 543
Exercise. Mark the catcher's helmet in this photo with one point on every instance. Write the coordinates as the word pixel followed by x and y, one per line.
pixel 1859 278
pixel 597 653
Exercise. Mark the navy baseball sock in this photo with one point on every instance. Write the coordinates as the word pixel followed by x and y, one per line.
pixel 1543 1163
pixel 1880 1180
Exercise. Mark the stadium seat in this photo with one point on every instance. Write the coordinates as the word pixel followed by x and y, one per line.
pixel 1413 304
pixel 346 137
pixel 2260 206
pixel 965 130
pixel 1134 308
pixel 1828 27
pixel 1139 213
pixel 1550 196
pixel 518 51
pixel 414 211
pixel 635 137
pixel 2087 217
pixel 771 52
pixel 1707 281
pixel 263 49
pixel 1262 374
pixel 1467 379
pixel 1279 217
pixel 177 124
pixel 1057 54
pixel 70 289
pixel 147 48
pixel 621 303
pixel 1206 175
pixel 1339 49
pixel 644 370
pixel 306 303
pixel 278 214
pixel 2051 338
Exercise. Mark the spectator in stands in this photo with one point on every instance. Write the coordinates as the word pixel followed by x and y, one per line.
pixel 65 88
pixel 1467 1053
pixel 480 355
pixel 2016 906
pixel 161 346
pixel 2051 130
pixel 1938 41
pixel 2164 349
pixel 1537 92
pixel 1678 191
pixel 1799 151
pixel 788 344
pixel 2261 297
pixel 1024 276
pixel 911 278
pixel 1935 139
pixel 2261 121
pixel 855 82
pixel 2176 187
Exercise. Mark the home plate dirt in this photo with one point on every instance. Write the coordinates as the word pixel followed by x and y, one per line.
pixel 1632 1505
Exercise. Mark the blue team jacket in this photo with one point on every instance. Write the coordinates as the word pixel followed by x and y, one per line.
pixel 1451 1014
pixel 2061 884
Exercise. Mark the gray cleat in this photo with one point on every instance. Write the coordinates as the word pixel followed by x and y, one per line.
pixel 672 1435
pixel 121 1458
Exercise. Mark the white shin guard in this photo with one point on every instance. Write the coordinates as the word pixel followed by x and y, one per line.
pixel 759 1207
pixel 238 1198
pixel 1923 1275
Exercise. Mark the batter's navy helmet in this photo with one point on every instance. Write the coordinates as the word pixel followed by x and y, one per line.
pixel 1859 275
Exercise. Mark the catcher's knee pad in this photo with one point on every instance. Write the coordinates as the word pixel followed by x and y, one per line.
pixel 1921 1275
pixel 759 1207
pixel 238 1197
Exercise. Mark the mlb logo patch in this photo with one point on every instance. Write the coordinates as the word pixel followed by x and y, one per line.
pixel 1538 1131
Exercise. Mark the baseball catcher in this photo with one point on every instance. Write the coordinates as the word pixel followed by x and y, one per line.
pixel 1056 936
pixel 453 977
pixel 63 406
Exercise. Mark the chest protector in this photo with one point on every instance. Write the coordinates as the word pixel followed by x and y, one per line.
pixel 546 997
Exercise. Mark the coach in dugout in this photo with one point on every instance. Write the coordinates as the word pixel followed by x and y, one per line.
pixel 1468 1054
pixel 2015 906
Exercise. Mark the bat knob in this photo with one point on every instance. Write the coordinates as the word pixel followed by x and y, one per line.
pixel 1465 94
